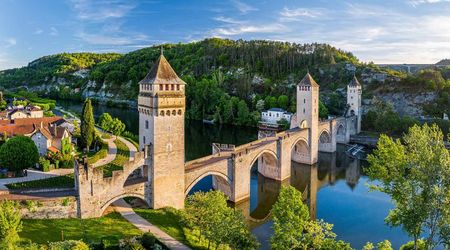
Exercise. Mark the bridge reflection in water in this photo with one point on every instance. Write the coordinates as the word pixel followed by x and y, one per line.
pixel 308 179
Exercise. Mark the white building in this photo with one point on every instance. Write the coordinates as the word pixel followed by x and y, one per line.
pixel 274 115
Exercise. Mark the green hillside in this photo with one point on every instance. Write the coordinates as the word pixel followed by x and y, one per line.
pixel 228 80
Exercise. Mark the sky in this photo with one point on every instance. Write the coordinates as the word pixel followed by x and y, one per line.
pixel 382 31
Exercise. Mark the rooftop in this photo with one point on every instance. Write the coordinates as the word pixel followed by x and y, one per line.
pixel 354 82
pixel 308 81
pixel 162 73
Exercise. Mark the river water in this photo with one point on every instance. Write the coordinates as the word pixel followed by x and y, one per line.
pixel 335 188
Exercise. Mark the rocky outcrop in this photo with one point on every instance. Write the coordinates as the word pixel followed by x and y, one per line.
pixel 408 103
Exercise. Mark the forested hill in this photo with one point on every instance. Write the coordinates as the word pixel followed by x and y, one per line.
pixel 228 80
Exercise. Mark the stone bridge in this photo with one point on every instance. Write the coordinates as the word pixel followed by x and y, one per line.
pixel 159 175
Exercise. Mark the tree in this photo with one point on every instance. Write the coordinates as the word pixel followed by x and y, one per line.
pixel 105 121
pixel 10 224
pixel 416 175
pixel 242 113
pixel 19 153
pixel 323 111
pixel 293 228
pixel 283 102
pixel 260 105
pixel 87 124
pixel 209 215
pixel 117 127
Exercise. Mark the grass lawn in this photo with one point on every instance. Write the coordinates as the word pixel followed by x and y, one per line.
pixel 123 155
pixel 111 226
pixel 168 220
pixel 64 181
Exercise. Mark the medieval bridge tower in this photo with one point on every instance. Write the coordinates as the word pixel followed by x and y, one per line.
pixel 161 104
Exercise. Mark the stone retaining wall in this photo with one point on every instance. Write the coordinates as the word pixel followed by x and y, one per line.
pixel 52 208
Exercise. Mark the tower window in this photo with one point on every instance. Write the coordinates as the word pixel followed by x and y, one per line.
pixel 143 139
pixel 304 100
pixel 174 112
pixel 146 124
pixel 161 87
pixel 179 111
pixel 161 113
pixel 168 112
pixel 303 111
pixel 178 86
pixel 167 86
pixel 172 87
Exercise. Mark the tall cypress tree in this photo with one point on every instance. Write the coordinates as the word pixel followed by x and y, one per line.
pixel 87 124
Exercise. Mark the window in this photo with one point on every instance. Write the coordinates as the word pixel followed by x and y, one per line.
pixel 178 86
pixel 303 111
pixel 167 86
pixel 304 100
pixel 172 87
pixel 143 139
pixel 146 124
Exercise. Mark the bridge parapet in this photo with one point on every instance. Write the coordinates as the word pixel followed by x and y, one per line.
pixel 96 192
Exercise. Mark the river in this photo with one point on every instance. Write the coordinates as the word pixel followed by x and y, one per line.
pixel 335 188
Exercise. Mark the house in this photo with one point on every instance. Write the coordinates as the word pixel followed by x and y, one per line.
pixel 29 111
pixel 45 132
pixel 274 115
pixel 49 138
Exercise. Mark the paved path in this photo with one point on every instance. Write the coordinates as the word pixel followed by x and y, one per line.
pixel 112 151
pixel 127 212
pixel 130 146
pixel 34 175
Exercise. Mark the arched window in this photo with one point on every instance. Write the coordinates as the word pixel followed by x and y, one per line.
pixel 146 124
pixel 168 112
pixel 179 111
pixel 172 87
pixel 174 112
pixel 303 110
pixel 178 86
pixel 162 113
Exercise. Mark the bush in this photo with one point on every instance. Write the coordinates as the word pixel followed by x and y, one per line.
pixel 44 164
pixel 68 245
pixel 410 245
pixel 102 153
pixel 148 241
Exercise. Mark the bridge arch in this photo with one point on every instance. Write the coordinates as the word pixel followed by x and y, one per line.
pixel 110 201
pixel 300 151
pixel 325 141
pixel 324 136
pixel 214 174
pixel 340 133
pixel 267 164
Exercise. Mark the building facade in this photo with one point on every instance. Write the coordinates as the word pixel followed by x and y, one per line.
pixel 274 115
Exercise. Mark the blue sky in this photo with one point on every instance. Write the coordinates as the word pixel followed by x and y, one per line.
pixel 382 31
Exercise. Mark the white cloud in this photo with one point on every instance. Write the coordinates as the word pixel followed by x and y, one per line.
pixel 244 29
pixel 8 42
pixel 228 20
pixel 101 10
pixel 243 7
pixel 418 2
pixel 38 31
pixel 298 13
pixel 53 31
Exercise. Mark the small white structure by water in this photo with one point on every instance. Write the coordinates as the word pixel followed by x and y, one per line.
pixel 273 115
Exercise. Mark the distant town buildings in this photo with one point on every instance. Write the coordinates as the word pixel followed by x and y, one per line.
pixel 19 111
pixel 46 132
